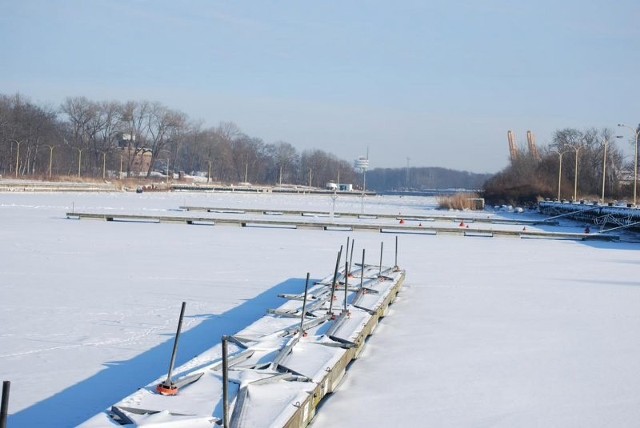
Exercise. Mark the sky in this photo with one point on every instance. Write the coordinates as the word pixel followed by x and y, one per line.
pixel 499 332
pixel 416 83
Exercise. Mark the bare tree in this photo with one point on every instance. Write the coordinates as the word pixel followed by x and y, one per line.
pixel 283 160
pixel 163 125
pixel 133 119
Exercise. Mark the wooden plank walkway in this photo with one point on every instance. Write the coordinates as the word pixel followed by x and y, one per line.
pixel 343 226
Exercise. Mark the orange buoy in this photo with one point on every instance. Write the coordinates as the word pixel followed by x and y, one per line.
pixel 164 389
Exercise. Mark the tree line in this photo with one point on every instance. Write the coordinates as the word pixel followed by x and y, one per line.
pixel 87 138
pixel 576 165
pixel 424 178
pixel 101 139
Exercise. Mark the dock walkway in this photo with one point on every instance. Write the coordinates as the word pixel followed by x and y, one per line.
pixel 278 369
pixel 379 223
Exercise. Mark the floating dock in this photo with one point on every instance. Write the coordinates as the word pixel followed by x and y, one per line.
pixel 421 225
pixel 432 217
pixel 608 217
pixel 276 371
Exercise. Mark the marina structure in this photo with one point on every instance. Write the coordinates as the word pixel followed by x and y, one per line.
pixel 276 371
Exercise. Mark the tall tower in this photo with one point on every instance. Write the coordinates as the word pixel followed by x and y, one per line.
pixel 513 148
pixel 531 141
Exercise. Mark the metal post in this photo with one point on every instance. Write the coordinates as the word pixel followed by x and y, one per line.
pixel 575 181
pixel 17 157
pixel 4 409
pixel 559 174
pixel 50 159
pixel 381 250
pixel 169 381
pixel 635 168
pixel 333 284
pixel 636 133
pixel 353 242
pixel 79 161
pixel 104 165
pixel 346 285
pixel 225 383
pixel 304 305
pixel 604 167
pixel 396 265
pixel 364 184
pixel 362 271
pixel 346 272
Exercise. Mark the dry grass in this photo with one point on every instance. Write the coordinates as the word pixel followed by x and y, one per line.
pixel 461 201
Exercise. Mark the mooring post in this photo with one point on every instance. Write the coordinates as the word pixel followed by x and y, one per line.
pixel 225 384
pixel 346 284
pixel 381 250
pixel 175 342
pixel 396 265
pixel 362 271
pixel 4 409
pixel 167 387
pixel 346 256
pixel 304 306
pixel 353 244
pixel 333 284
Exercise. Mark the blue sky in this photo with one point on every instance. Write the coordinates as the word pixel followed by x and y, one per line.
pixel 439 82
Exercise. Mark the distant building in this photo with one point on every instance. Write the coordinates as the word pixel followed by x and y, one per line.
pixel 139 163
pixel 126 140
pixel 333 186
pixel 138 159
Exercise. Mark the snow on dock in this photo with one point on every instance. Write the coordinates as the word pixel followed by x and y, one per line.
pixel 279 368
pixel 608 217
pixel 381 223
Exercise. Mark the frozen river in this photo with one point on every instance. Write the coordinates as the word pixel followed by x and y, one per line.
pixel 487 331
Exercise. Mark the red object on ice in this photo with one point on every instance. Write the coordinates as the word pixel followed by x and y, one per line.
pixel 167 389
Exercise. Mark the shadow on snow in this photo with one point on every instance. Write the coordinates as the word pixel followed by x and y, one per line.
pixel 118 379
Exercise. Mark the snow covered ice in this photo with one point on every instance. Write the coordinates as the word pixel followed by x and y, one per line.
pixel 486 331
